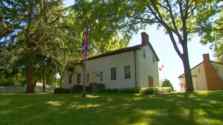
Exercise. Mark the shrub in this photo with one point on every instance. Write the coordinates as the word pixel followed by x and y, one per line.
pixel 148 91
pixel 167 83
pixel 7 82
pixel 61 91
pixel 165 90
pixel 127 91
pixel 97 87
pixel 77 89
pixel 133 90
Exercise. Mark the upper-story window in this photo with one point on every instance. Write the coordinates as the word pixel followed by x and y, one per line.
pixel 127 72
pixel 113 73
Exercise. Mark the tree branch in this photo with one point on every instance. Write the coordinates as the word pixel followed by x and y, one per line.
pixel 175 44
pixel 169 30
pixel 173 20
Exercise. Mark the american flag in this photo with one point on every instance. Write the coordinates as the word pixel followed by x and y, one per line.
pixel 85 45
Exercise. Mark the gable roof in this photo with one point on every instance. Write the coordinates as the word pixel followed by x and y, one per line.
pixel 119 51
pixel 122 50
pixel 115 52
pixel 180 76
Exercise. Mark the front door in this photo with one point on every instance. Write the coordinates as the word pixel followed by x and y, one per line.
pixel 150 81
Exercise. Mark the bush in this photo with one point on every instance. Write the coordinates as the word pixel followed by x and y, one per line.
pixel 77 89
pixel 148 91
pixel 92 87
pixel 97 87
pixel 7 82
pixel 127 91
pixel 61 91
pixel 165 90
pixel 133 90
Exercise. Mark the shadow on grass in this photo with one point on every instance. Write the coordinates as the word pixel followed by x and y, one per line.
pixel 112 109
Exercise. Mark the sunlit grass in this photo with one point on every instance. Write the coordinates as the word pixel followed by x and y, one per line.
pixel 202 108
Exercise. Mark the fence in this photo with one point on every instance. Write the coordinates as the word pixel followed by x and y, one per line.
pixel 22 89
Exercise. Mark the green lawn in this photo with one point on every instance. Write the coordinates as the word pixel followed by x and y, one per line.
pixel 112 109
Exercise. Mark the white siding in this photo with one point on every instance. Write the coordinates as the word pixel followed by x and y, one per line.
pixel 146 67
pixel 198 77
pixel 104 64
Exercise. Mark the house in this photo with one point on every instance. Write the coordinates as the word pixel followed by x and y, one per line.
pixel 132 67
pixel 207 75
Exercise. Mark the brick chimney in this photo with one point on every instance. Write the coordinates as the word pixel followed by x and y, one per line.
pixel 206 57
pixel 144 38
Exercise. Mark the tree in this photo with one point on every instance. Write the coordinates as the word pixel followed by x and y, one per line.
pixel 100 18
pixel 37 33
pixel 213 34
pixel 103 34
pixel 167 83
pixel 180 19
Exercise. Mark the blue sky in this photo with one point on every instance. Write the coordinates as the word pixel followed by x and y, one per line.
pixel 168 57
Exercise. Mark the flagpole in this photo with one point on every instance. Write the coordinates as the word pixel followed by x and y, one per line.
pixel 84 79
pixel 84 53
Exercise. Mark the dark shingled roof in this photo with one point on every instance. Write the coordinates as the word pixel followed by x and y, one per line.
pixel 122 50
pixel 118 51
pixel 114 52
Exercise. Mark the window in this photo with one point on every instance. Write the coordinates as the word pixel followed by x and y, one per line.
pixel 113 73
pixel 88 77
pixel 78 78
pixel 70 78
pixel 127 72
pixel 101 76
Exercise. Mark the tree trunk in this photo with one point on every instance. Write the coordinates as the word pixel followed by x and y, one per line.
pixel 29 78
pixel 187 70
pixel 44 82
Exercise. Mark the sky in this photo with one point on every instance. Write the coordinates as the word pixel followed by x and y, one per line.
pixel 173 66
pixel 168 57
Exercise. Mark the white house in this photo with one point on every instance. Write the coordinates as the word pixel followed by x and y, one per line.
pixel 124 68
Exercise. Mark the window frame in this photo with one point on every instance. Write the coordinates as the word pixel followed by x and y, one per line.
pixel 101 76
pixel 78 80
pixel 70 78
pixel 113 72
pixel 127 72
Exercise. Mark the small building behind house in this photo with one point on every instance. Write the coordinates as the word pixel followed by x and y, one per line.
pixel 207 75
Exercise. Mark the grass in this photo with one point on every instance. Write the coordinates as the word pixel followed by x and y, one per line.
pixel 112 109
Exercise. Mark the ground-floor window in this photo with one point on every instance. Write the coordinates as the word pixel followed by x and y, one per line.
pixel 70 78
pixel 101 76
pixel 78 78
pixel 88 77
pixel 113 73
pixel 127 72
